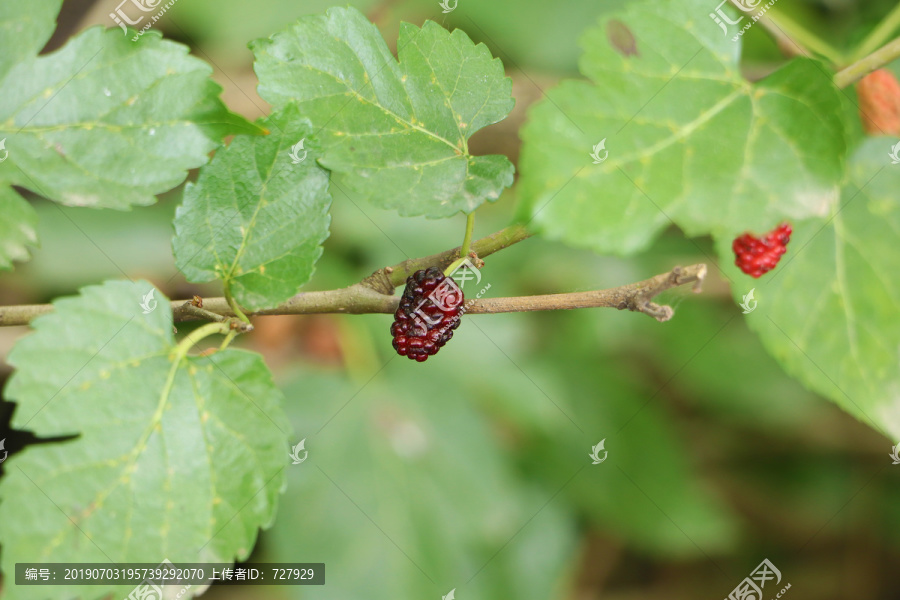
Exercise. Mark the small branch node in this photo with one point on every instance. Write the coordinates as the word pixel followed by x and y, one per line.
pixel 701 276
pixel 380 281
pixel 190 308
pixel 240 326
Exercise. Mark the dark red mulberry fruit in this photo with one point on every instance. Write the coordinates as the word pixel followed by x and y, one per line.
pixel 756 256
pixel 430 309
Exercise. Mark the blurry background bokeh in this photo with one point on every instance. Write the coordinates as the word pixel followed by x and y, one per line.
pixel 471 471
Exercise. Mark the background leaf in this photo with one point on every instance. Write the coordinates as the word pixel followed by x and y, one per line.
pixel 109 123
pixel 17 227
pixel 410 499
pixel 24 29
pixel 189 473
pixel 647 484
pixel 828 312
pixel 689 140
pixel 254 219
pixel 103 122
pixel 393 133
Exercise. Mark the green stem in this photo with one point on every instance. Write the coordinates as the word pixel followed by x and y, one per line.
pixel 228 338
pixel 804 38
pixel 884 55
pixel 454 265
pixel 466 245
pixel 485 246
pixel 191 339
pixel 234 305
pixel 880 34
pixel 467 239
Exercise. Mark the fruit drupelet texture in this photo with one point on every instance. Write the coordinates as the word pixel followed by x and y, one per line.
pixel 430 309
pixel 757 256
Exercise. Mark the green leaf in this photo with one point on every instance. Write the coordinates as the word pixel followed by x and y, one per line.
pixel 828 312
pixel 25 28
pixel 689 140
pixel 104 121
pixel 254 219
pixel 174 459
pixel 395 133
pixel 17 227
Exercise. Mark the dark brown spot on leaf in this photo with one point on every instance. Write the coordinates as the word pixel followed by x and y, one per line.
pixel 621 38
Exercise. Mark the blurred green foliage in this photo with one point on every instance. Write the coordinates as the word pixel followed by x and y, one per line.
pixel 471 471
